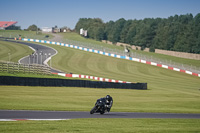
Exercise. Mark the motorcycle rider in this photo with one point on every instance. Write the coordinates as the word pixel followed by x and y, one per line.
pixel 102 105
pixel 109 102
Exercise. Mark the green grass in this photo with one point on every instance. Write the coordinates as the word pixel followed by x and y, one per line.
pixel 76 37
pixel 189 62
pixel 16 50
pixel 24 34
pixel 103 125
pixel 168 91
pixel 77 61
pixel 83 99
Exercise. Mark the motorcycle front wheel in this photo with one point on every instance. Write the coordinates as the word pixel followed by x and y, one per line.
pixel 92 111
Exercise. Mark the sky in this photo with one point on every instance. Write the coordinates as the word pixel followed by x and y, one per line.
pixel 48 13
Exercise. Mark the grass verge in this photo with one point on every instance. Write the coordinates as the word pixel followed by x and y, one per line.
pixel 103 125
pixel 83 99
pixel 13 51
pixel 169 91
pixel 76 37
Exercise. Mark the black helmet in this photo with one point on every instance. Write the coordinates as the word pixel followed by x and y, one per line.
pixel 108 97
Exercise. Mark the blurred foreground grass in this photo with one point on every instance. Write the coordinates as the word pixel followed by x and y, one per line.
pixel 103 125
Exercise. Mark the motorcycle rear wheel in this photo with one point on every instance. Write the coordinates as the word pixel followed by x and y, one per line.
pixel 102 112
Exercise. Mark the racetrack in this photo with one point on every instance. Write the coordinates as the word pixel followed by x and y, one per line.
pixel 41 56
pixel 184 90
pixel 20 114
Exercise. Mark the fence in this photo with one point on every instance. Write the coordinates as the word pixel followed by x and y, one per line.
pixel 12 67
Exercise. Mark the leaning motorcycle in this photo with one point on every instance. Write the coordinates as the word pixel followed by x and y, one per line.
pixel 100 106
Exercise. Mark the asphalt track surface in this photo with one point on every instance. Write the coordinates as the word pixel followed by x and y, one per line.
pixel 41 54
pixel 20 114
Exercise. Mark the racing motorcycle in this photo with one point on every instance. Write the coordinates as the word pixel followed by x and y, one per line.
pixel 100 106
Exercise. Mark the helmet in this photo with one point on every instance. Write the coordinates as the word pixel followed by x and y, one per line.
pixel 108 97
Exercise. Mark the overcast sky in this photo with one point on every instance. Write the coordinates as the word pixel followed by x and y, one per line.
pixel 48 13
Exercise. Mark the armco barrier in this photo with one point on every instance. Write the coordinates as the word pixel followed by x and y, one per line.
pixel 114 55
pixel 24 81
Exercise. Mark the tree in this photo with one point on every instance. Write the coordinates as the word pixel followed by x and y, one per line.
pixel 99 34
pixel 32 28
pixel 108 30
pixel 130 38
pixel 125 31
pixel 95 27
pixel 117 28
pixel 178 32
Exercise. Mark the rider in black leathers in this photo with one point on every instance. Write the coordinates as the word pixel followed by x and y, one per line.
pixel 109 102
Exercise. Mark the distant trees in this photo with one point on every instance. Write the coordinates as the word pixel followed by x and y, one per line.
pixel 32 28
pixel 176 33
pixel 116 30
pixel 95 27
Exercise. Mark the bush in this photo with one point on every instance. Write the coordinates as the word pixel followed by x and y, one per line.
pixel 151 49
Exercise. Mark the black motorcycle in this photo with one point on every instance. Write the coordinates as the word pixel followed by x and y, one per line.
pixel 100 106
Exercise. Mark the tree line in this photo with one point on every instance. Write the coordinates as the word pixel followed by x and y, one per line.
pixel 175 33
